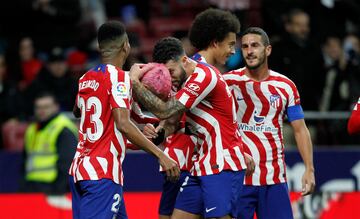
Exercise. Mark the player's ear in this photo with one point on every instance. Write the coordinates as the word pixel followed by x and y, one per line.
pixel 268 50
pixel 184 59
pixel 214 44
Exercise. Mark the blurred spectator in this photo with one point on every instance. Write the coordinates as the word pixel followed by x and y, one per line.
pixel 184 38
pixel 50 144
pixel 93 14
pixel 300 58
pixel 335 95
pixel 55 23
pixel 128 10
pixel 77 62
pixel 29 63
pixel 135 55
pixel 327 14
pixel 248 12
pixel 8 97
pixel 351 47
pixel 56 78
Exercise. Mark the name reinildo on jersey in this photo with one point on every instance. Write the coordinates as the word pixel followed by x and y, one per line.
pixel 256 128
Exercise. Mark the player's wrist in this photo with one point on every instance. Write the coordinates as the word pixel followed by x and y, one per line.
pixel 310 169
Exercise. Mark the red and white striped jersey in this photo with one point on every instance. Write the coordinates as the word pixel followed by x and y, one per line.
pixel 180 147
pixel 261 108
pixel 101 148
pixel 140 120
pixel 212 119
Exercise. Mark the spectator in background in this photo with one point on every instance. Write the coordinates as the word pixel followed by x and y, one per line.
pixel 56 78
pixel 247 11
pixel 77 62
pixel 135 55
pixel 299 58
pixel 50 144
pixel 351 46
pixel 55 23
pixel 8 97
pixel 184 38
pixel 335 95
pixel 29 63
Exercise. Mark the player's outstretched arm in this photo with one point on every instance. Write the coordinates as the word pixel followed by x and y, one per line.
pixel 125 126
pixel 304 144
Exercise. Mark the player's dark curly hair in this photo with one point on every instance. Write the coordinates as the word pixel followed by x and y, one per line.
pixel 168 48
pixel 212 24
pixel 257 30
pixel 110 31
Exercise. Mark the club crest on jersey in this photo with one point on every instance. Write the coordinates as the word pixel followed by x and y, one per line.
pixel 275 100
pixel 121 89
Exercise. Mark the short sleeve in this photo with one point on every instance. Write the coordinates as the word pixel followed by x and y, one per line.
pixel 198 86
pixel 120 91
pixel 294 96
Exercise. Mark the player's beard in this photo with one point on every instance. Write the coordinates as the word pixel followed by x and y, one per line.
pixel 261 59
pixel 183 77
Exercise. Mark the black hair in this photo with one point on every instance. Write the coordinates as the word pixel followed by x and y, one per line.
pixel 168 48
pixel 258 31
pixel 212 24
pixel 110 31
pixel 43 94
pixel 292 13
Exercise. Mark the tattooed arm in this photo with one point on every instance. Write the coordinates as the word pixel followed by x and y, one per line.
pixel 155 105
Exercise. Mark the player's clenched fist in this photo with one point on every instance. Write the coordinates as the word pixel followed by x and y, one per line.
pixel 250 164
pixel 170 166
pixel 149 131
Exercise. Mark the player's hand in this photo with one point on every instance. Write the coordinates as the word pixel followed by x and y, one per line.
pixel 138 70
pixel 171 167
pixel 250 164
pixel 149 131
pixel 308 182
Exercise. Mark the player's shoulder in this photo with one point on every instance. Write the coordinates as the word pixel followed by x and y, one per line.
pixel 237 74
pixel 276 76
pixel 205 72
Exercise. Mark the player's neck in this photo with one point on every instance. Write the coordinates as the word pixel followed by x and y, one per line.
pixel 208 56
pixel 190 67
pixel 115 62
pixel 259 74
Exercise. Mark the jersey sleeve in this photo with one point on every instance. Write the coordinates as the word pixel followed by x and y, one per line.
pixel 120 91
pixel 354 120
pixel 294 110
pixel 198 86
pixel 294 96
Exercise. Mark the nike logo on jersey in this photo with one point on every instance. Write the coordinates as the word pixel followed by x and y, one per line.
pixel 210 209
pixel 239 98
